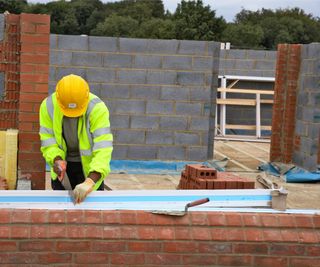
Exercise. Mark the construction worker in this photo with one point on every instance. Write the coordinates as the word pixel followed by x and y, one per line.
pixel 75 137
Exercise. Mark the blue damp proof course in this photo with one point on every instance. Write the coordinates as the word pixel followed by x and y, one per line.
pixel 294 175
pixel 123 199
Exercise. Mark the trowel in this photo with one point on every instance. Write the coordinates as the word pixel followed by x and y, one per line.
pixel 184 212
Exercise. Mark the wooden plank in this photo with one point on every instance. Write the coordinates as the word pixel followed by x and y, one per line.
pixel 246 91
pixel 2 152
pixel 237 101
pixel 246 127
pixel 11 158
pixel 266 101
pixel 8 156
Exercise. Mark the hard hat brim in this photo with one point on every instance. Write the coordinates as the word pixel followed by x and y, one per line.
pixel 72 113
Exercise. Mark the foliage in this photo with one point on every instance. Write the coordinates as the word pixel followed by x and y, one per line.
pixel 192 20
pixel 197 22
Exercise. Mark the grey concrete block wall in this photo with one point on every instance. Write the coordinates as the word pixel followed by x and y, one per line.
pixel 160 93
pixel 248 62
pixel 307 127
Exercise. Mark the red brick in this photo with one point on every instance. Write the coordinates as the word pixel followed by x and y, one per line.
pixel 199 260
pixel 112 246
pixel 76 232
pixel 219 234
pixel 305 262
pixel 145 217
pixel 52 257
pixel 110 217
pixel 57 216
pixel 182 233
pixel 236 260
pixel 198 218
pixel 73 246
pixel 92 216
pixel 75 216
pixel 5 232
pixel 304 221
pixel 174 247
pixel 38 231
pixel 8 246
pixel 111 232
pixel 164 233
pixel 36 245
pixel 251 219
pixel 128 232
pixel 94 231
pixel 248 248
pixel 57 231
pixel 35 18
pixel 202 233
pixel 307 236
pixel 254 234
pixel 160 259
pixel 141 246
pixel 20 216
pixel 91 258
pixel 287 250
pixel 269 261
pixel 290 235
pixel 20 231
pixel 128 217
pixel 127 259
pixel 233 219
pixel 5 216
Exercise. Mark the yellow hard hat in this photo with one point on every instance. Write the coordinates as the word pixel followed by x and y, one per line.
pixel 72 93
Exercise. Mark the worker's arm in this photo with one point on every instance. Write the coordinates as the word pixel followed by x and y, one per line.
pixel 102 143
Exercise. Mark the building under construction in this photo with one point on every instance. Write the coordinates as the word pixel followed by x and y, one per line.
pixel 190 121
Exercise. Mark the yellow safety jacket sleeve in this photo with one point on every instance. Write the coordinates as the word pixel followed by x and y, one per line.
pixel 49 147
pixel 102 141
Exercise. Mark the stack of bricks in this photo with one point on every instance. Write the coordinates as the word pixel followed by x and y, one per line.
pixel 198 176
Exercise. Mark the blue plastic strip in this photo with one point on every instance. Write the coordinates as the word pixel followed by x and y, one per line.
pixel 62 199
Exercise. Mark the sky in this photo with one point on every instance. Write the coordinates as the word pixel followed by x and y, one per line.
pixel 229 8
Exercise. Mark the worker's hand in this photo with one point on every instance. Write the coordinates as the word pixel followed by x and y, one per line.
pixel 82 190
pixel 60 167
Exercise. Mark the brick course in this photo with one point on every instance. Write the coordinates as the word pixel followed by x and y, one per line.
pixel 138 238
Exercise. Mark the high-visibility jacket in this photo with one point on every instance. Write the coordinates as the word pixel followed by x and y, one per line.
pixel 94 134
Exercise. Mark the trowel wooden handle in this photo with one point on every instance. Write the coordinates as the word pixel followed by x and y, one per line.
pixel 197 202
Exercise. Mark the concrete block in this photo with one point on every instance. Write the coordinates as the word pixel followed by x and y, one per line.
pixel 145 122
pixel 129 137
pixel 193 47
pixel 103 44
pixel 119 121
pixel 120 152
pixel 310 163
pixel 235 54
pixel 117 60
pixel 145 92
pixel 175 93
pixel 73 42
pixel 192 109
pixel 204 138
pixel 101 75
pixel 2 23
pixel 115 91
pixel 306 145
pixel 162 77
pixel 214 49
pixel 2 84
pixel 244 64
pixel 264 65
pixel 86 59
pixel 52 87
pixel 159 107
pixel 256 54
pixel 307 114
pixel 95 88
pixel 177 63
pixel 134 107
pixel 61 72
pixel 132 76
pixel 147 61
pixel 163 46
pixel 129 45
pixel 60 58
pixel 186 139
pixel 159 137
pixel 203 63
pixel 174 123
pixel 199 124
pixel 200 93
pixel 197 153
pixel 190 78
pixel 313 131
pixel 142 152
pixel 172 153
pixel 53 41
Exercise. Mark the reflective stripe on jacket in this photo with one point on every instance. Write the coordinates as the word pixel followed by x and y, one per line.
pixel 95 138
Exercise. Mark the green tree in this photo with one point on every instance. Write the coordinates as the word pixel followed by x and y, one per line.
pixel 157 29
pixel 63 19
pixel 13 6
pixel 194 21
pixel 282 26
pixel 243 35
pixel 117 26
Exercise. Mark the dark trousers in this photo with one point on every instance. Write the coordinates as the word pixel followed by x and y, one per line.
pixel 75 174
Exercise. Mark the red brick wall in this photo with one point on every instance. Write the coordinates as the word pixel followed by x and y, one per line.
pixel 283 139
pixel 137 238
pixel 25 60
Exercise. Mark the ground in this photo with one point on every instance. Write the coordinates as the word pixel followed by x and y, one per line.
pixel 244 158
